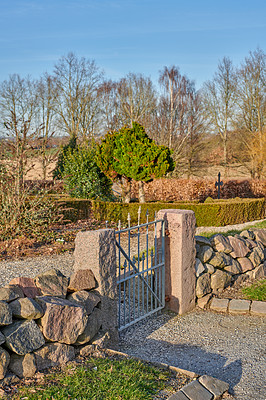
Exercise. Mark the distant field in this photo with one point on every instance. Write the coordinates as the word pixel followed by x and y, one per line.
pixel 235 171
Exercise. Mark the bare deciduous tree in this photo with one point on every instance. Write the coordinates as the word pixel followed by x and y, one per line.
pixel 219 98
pixel 77 103
pixel 251 118
pixel 46 118
pixel 17 110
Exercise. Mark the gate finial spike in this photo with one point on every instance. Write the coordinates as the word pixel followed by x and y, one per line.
pixel 119 225
pixel 139 212
pixel 106 224
pixel 128 219
pixel 147 215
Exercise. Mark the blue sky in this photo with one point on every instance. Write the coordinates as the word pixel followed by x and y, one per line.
pixel 125 36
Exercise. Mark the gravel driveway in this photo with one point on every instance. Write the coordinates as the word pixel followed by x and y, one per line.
pixel 230 348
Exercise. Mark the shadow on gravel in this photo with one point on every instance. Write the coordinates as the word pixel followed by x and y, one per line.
pixel 138 342
pixel 194 358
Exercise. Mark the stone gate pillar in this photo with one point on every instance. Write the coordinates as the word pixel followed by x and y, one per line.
pixel 96 250
pixel 180 255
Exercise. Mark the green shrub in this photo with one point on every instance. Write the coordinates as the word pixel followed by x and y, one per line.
pixel 69 147
pixel 83 178
pixel 209 200
pixel 210 214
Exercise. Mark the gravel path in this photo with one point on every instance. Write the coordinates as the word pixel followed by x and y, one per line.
pixel 30 267
pixel 226 228
pixel 231 348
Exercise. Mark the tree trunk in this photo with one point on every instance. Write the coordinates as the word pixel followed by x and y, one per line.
pixel 141 192
pixel 126 190
pixel 225 156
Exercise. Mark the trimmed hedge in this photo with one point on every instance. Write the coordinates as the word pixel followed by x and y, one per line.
pixel 217 213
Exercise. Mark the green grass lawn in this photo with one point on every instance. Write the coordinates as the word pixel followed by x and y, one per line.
pixel 257 291
pixel 102 378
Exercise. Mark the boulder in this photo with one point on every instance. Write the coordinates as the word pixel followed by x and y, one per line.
pixel 199 267
pixel 5 314
pixel 8 294
pixel 27 285
pixel 251 244
pixel 23 366
pixel 88 300
pixel 248 234
pixel 245 264
pixel 210 268
pixel 234 268
pixel 4 361
pixel 240 249
pixel 63 321
pixel 82 279
pixel 220 260
pixel 220 280
pixel 26 308
pixel 92 327
pixel 259 272
pixel 23 337
pixel 221 243
pixel 53 354
pixel 205 253
pixel 256 256
pixel 260 235
pixel 203 301
pixel 16 289
pixel 203 285
pixel 202 241
pixel 52 283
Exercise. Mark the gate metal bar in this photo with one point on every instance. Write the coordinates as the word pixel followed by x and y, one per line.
pixel 141 285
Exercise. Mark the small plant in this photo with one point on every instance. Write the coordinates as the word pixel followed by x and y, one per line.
pixel 257 291
pixel 22 215
pixel 209 200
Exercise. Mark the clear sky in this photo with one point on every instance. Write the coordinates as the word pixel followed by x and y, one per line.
pixel 125 36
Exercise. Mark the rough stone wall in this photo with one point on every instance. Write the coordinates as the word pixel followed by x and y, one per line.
pixel 221 261
pixel 199 189
pixel 43 320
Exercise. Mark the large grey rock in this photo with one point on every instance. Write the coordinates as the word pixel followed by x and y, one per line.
pixel 63 321
pixel 53 354
pixel 23 366
pixel 8 294
pixel 205 253
pixel 248 234
pixel 259 272
pixel 82 279
pixel 199 267
pixel 4 361
pixel 210 268
pixel 245 264
pixel 52 283
pixel 234 268
pixel 240 249
pixel 221 243
pixel 220 280
pixel 202 241
pixel 5 314
pixel 26 308
pixel 195 391
pixel 88 300
pixel 256 256
pixel 23 337
pixel 92 327
pixel 27 286
pixel 220 260
pixel 203 285
pixel 260 235
pixel 251 243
